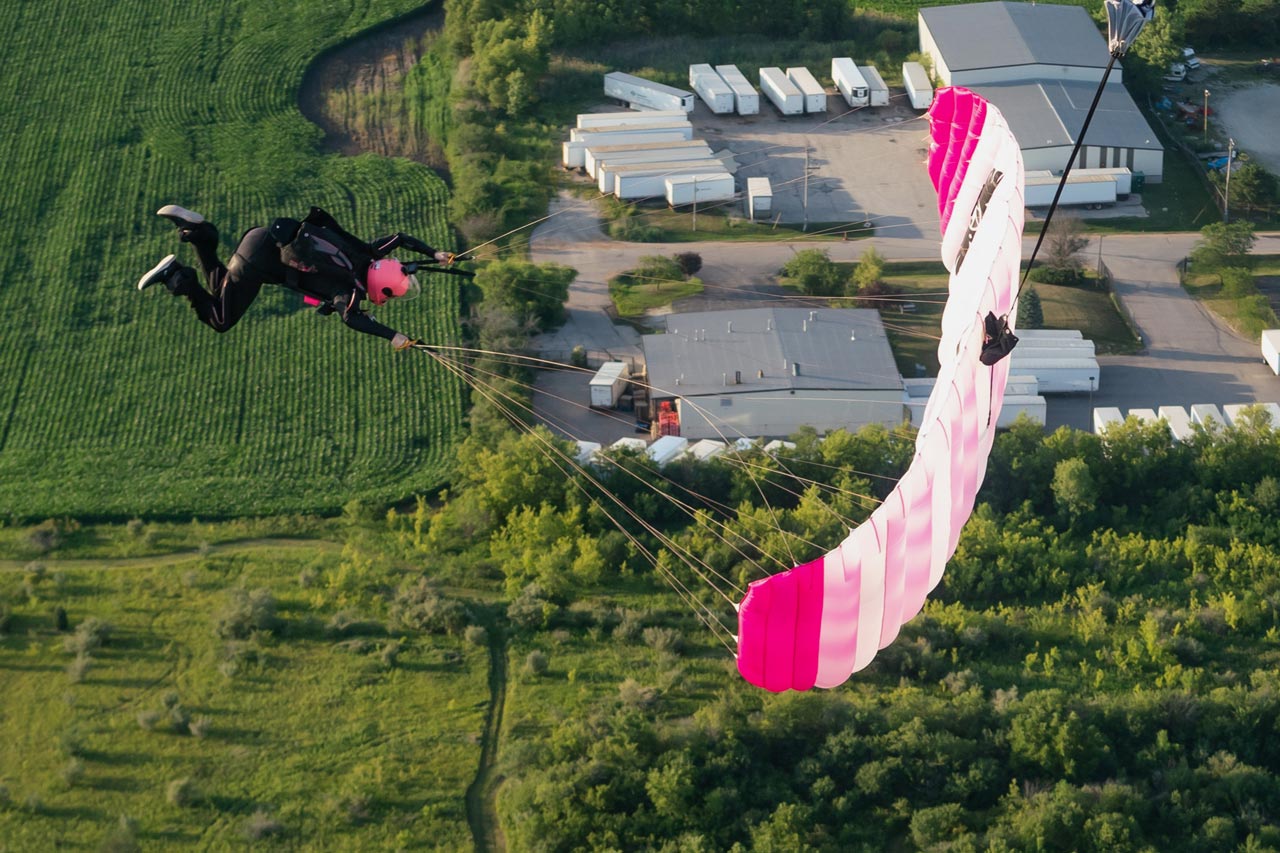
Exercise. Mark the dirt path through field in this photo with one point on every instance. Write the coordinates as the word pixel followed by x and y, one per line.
pixel 154 560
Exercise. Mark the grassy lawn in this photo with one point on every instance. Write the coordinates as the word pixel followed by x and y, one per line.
pixel 634 297
pixel 1091 310
pixel 1246 318
pixel 307 724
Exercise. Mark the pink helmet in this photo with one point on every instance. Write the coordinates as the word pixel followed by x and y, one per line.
pixel 387 280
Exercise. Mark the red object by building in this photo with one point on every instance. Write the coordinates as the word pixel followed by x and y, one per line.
pixel 668 419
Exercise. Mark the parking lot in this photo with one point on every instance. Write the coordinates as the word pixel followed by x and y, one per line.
pixel 864 165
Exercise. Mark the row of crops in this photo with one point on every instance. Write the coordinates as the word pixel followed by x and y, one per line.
pixel 114 403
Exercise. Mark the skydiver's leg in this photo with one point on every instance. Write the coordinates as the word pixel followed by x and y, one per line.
pixel 229 296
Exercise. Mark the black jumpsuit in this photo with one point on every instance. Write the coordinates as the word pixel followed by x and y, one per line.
pixel 256 261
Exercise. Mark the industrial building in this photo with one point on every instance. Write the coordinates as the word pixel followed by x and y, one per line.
pixel 769 371
pixel 1040 63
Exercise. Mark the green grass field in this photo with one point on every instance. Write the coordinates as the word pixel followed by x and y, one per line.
pixel 307 727
pixel 113 403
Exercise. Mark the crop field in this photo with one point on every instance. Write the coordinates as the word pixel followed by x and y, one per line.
pixel 172 725
pixel 115 403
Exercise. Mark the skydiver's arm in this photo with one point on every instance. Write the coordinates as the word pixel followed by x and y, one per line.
pixel 357 319
pixel 383 246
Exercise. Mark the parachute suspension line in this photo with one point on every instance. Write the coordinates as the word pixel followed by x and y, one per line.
pixel 1048 217
pixel 557 457
pixel 688 509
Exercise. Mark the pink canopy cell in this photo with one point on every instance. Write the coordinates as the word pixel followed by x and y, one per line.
pixel 820 622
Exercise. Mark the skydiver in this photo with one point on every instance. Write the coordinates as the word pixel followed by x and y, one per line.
pixel 315 257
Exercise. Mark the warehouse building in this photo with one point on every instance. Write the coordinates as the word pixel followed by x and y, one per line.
pixel 1040 64
pixel 765 372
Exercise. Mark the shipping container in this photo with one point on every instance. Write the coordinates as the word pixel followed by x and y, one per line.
pixel 573 152
pixel 606 166
pixel 715 93
pixel 667 449
pixel 782 92
pixel 1104 417
pixel 607 173
pixel 706 187
pixel 630 117
pixel 608 384
pixel 849 81
pixel 877 89
pixel 1208 416
pixel 815 97
pixel 1083 190
pixel 586 451
pixel 746 100
pixel 916 81
pixel 1058 375
pixel 1056 347
pixel 1122 176
pixel 1178 420
pixel 1147 416
pixel 1033 406
pixel 595 153
pixel 604 134
pixel 1233 413
pixel 1271 349
pixel 707 448
pixel 641 182
pixel 640 93
pixel 759 198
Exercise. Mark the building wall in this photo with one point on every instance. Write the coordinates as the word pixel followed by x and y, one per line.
pixel 1150 163
pixel 941 73
pixel 776 414
pixel 1015 73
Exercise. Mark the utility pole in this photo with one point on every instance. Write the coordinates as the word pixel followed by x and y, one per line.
pixel 695 202
pixel 1226 201
pixel 806 186
pixel 1206 115
pixel 1100 236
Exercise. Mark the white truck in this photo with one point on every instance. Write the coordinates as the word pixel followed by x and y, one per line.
pixel 759 198
pixel 705 187
pixel 612 153
pixel 640 93
pixel 815 97
pixel 850 82
pixel 608 384
pixel 785 96
pixel 607 173
pixel 715 93
pixel 745 97
pixel 916 81
pixel 590 120
pixel 1271 349
pixel 574 151
pixel 1093 191
pixel 877 89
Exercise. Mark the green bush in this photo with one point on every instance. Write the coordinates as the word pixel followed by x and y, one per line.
pixel 536 663
pixel 182 793
pixel 246 612
pixel 1063 276
pixel 418 606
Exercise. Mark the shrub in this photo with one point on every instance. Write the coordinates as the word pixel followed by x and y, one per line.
pixel 636 695
pixel 60 623
pixel 246 612
pixel 476 635
pixel 182 793
pixel 123 838
pixel 148 719
pixel 261 825
pixel 179 720
pixel 664 640
pixel 535 663
pixel 79 668
pixel 419 607
pixel 532 609
pixel 390 652
pixel 90 634
pixel 344 623
pixel 1064 276
pixel 634 229
pixel 72 772
pixel 690 262
pixel 629 627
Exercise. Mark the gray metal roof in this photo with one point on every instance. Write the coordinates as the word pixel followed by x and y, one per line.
pixel 995 35
pixel 1050 113
pixel 840 349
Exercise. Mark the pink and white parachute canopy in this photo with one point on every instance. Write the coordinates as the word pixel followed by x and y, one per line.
pixel 820 622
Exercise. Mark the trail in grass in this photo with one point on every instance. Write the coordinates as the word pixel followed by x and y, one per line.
pixel 153 560
pixel 482 812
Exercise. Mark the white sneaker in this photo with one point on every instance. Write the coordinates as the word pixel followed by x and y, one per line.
pixel 180 216
pixel 159 273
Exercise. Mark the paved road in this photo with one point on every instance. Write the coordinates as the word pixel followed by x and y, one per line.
pixel 1190 357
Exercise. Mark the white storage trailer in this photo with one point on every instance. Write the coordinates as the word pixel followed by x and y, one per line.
pixel 608 384
pixel 706 187
pixel 1144 415
pixel 1104 417
pixel 1029 334
pixel 574 152
pixel 1208 416
pixel 1122 176
pixel 1064 347
pixel 1234 412
pixel 746 100
pixel 785 96
pixel 648 183
pixel 667 448
pixel 877 89
pixel 1271 349
pixel 759 198
pixel 1058 375
pixel 916 81
pixel 640 93
pixel 595 153
pixel 630 117
pixel 1085 190
pixel 849 81
pixel 607 173
pixel 815 97
pixel 715 93
pixel 605 169
pixel 1178 420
